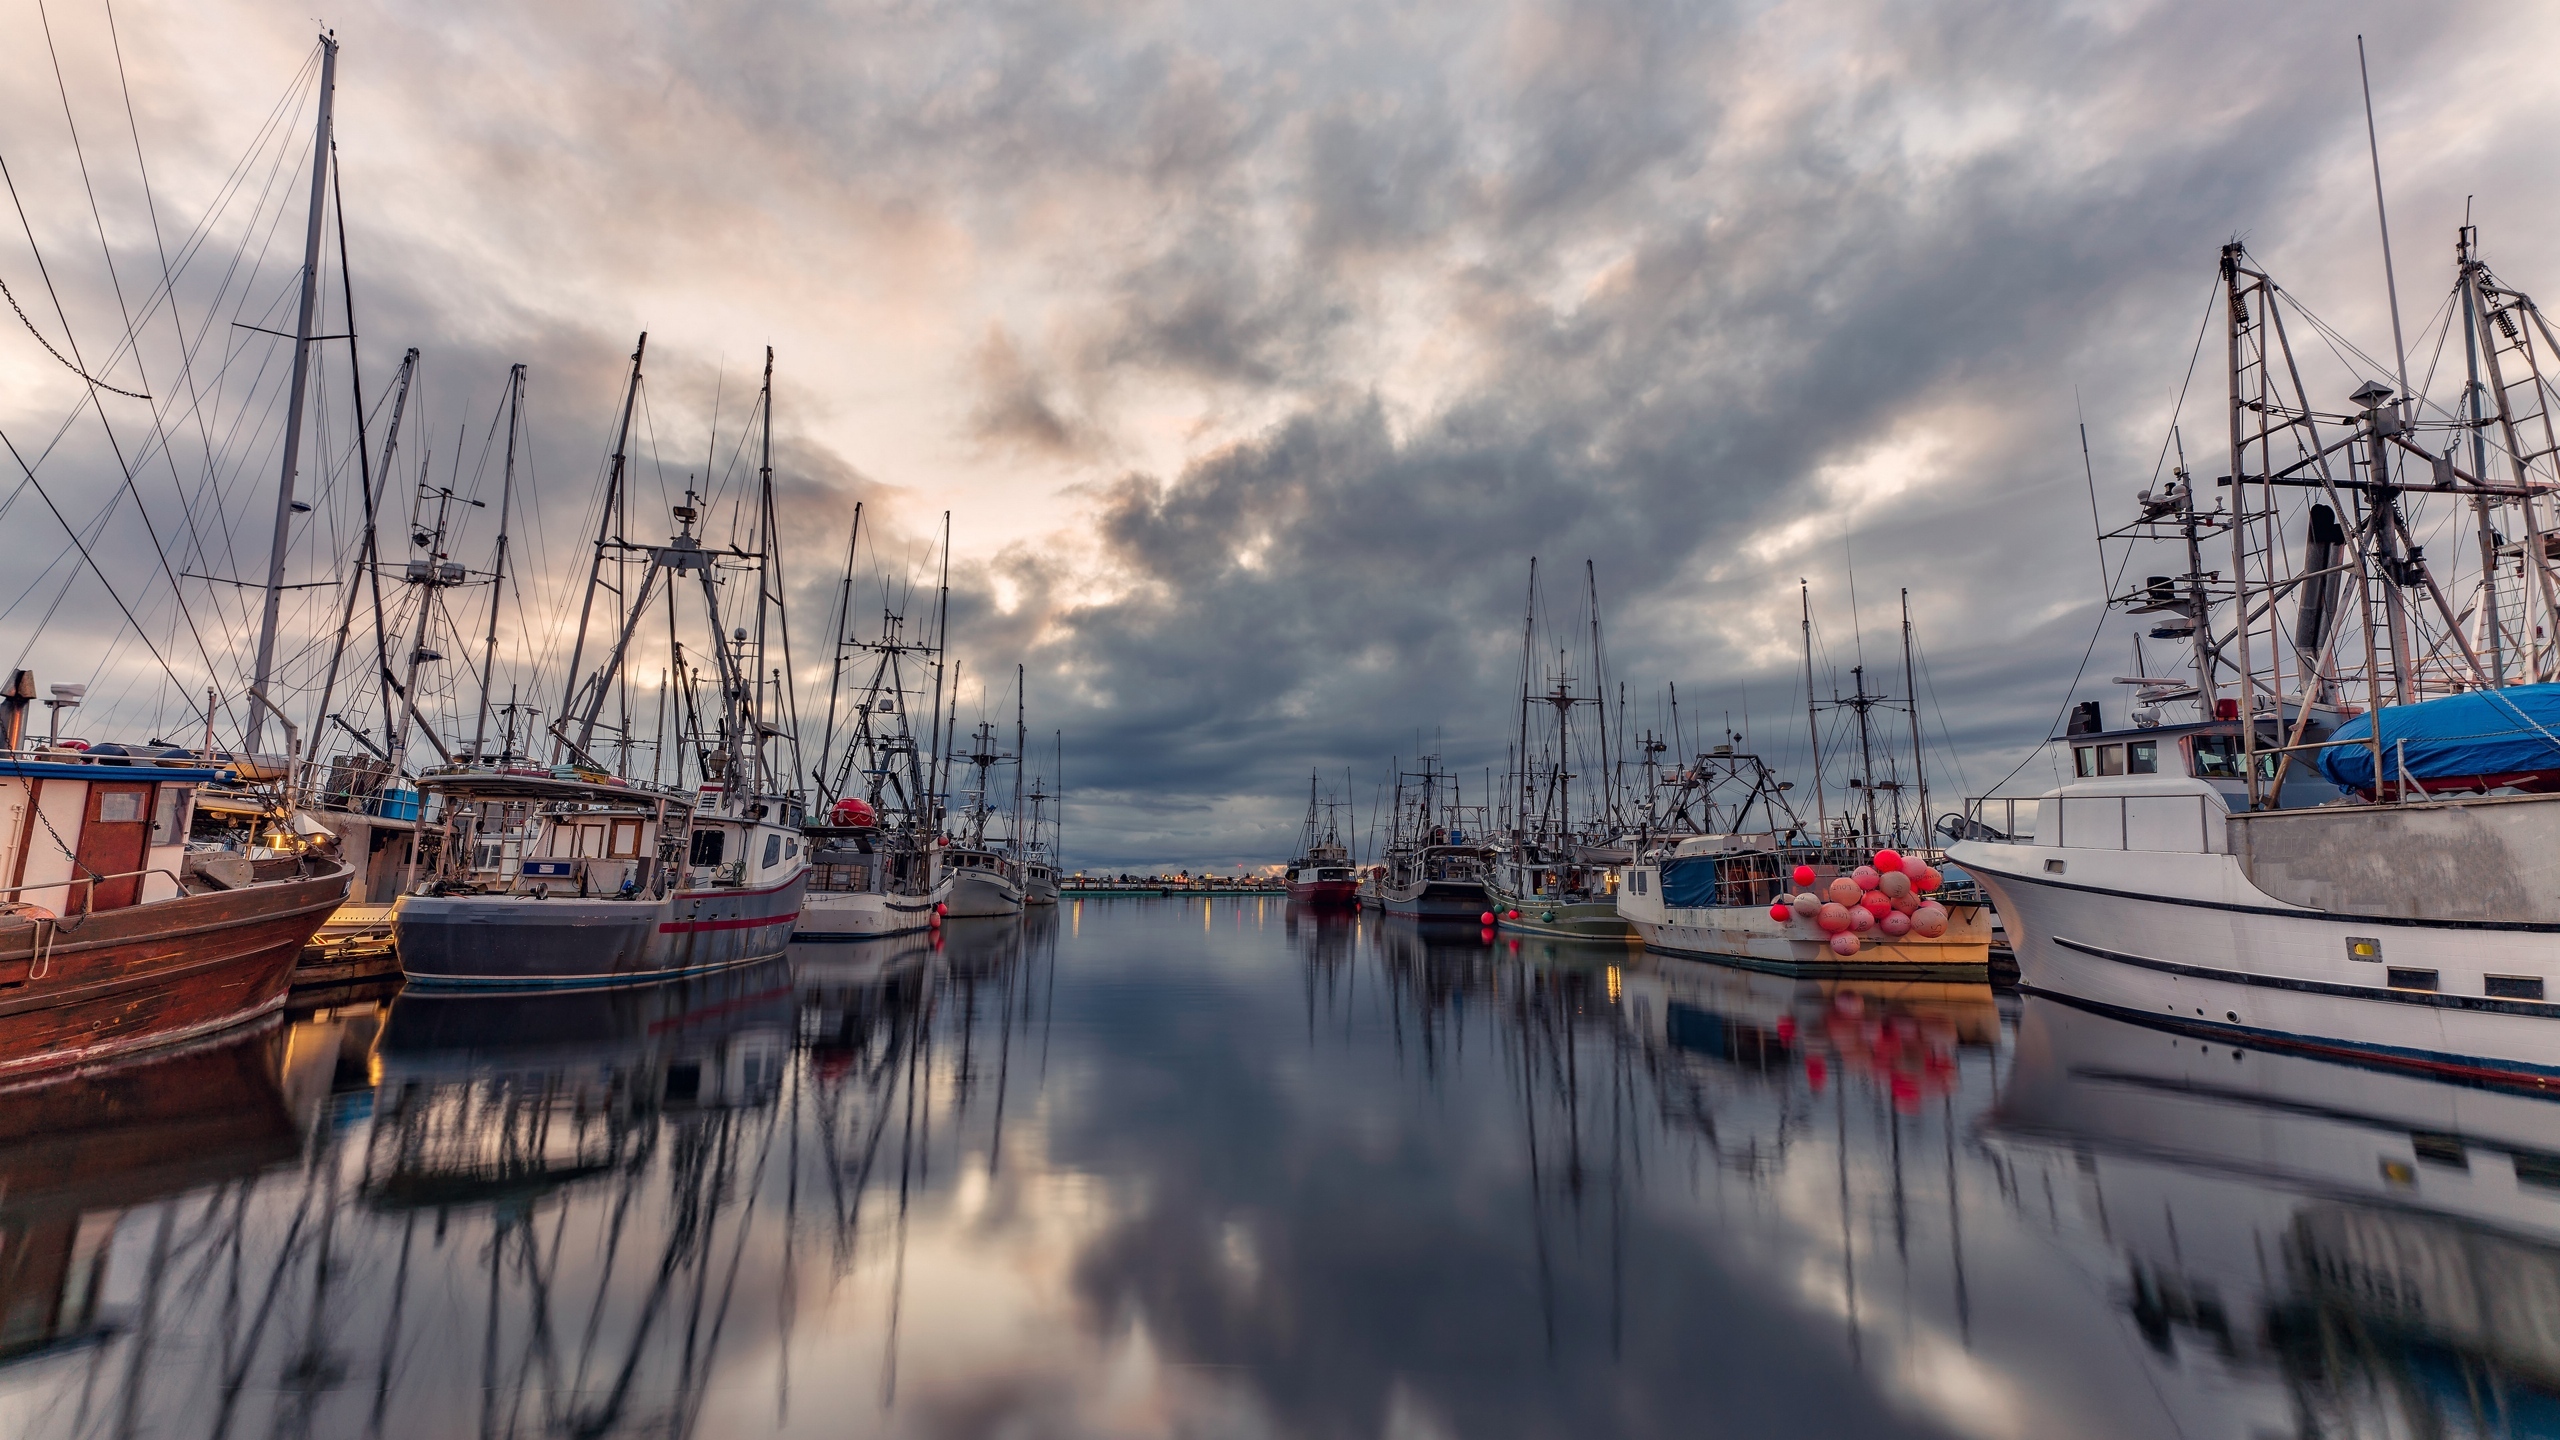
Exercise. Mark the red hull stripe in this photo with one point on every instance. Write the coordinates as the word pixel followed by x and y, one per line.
pixel 743 922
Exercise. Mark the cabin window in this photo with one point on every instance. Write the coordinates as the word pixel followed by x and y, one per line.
pixel 1640 876
pixel 2142 757
pixel 626 839
pixel 2513 987
pixel 590 840
pixel 2110 759
pixel 709 846
pixel 772 851
pixel 2219 757
pixel 2216 757
pixel 2084 760
pixel 169 815
pixel 119 807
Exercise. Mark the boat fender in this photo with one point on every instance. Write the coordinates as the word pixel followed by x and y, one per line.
pixel 1547 915
pixel 1486 918
pixel 1844 944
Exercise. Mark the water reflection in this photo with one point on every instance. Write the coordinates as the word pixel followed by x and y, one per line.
pixel 1190 1166
pixel 2382 1252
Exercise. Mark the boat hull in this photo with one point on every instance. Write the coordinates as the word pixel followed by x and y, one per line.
pixel 120 982
pixel 861 915
pixel 1325 894
pixel 524 942
pixel 974 894
pixel 1449 900
pixel 1562 920
pixel 1749 935
pixel 2229 959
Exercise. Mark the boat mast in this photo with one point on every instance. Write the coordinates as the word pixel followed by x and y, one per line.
pixel 1600 701
pixel 2493 626
pixel 1021 739
pixel 939 772
pixel 498 565
pixel 1528 644
pixel 1911 691
pixel 259 704
pixel 844 624
pixel 368 556
pixel 1812 718
pixel 604 530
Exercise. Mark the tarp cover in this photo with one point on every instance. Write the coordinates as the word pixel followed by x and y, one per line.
pixel 2483 732
pixel 1689 882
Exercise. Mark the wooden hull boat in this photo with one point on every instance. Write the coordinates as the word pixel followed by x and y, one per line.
pixel 78 990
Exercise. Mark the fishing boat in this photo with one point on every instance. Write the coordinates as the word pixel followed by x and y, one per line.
pixel 1434 869
pixel 1322 876
pixel 114 939
pixel 863 883
pixel 1040 845
pixel 1726 868
pixel 1556 874
pixel 871 863
pixel 622 882
pixel 978 875
pixel 2350 850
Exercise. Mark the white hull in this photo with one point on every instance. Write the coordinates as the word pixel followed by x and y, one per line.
pixel 1748 933
pixel 2101 927
pixel 861 915
pixel 973 894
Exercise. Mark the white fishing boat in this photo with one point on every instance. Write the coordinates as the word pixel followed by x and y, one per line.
pixel 977 875
pixel 2399 905
pixel 872 870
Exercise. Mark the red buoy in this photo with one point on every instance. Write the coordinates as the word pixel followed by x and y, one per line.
pixel 1888 860
pixel 1485 918
pixel 1782 912
pixel 1804 877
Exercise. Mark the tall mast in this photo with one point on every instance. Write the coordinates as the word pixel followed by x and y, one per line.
pixel 368 554
pixel 604 530
pixel 259 704
pixel 1600 700
pixel 1911 692
pixel 2382 218
pixel 1020 736
pixel 940 771
pixel 2493 626
pixel 1528 643
pixel 498 566
pixel 844 623
pixel 1812 723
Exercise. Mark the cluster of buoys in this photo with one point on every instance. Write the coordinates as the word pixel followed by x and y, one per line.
pixel 1888 894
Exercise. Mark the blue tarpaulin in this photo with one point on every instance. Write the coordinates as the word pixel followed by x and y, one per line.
pixel 1689 882
pixel 2483 732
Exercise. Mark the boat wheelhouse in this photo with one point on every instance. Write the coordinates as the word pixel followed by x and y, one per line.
pixel 115 937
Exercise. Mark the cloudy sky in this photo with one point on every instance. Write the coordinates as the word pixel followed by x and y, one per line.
pixel 1254 350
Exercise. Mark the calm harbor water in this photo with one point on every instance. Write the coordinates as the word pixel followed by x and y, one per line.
pixel 1168 1167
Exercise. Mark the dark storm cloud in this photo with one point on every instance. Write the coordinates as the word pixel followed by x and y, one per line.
pixel 1716 296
